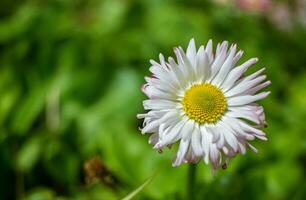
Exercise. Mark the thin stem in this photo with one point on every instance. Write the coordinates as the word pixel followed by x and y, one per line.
pixel 19 185
pixel 191 181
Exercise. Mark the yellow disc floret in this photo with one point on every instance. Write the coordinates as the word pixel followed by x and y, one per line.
pixel 204 103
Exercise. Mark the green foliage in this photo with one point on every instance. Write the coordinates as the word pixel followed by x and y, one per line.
pixel 70 79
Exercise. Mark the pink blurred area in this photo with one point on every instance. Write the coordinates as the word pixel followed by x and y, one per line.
pixel 254 5
pixel 283 14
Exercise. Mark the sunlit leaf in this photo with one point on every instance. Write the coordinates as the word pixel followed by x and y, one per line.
pixel 29 153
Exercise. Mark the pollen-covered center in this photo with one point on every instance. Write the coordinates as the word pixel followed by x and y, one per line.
pixel 204 103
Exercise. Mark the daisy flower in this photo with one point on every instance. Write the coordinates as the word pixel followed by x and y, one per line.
pixel 203 101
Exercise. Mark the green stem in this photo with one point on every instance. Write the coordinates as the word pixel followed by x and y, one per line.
pixel 191 181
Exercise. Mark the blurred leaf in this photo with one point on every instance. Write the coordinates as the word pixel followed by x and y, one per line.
pixel 112 106
pixel 29 108
pixel 110 19
pixel 8 96
pixel 29 153
pixel 7 102
pixel 19 23
pixel 279 187
pixel 41 194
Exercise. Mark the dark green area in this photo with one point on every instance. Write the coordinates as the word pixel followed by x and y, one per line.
pixel 70 77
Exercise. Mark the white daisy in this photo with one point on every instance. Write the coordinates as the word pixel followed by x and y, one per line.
pixel 204 102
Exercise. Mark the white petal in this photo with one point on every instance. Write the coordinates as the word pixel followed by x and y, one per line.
pixel 163 72
pixel 215 134
pixel 173 134
pixel 237 57
pixel 167 129
pixel 206 142
pixel 196 141
pixel 248 128
pixel 236 73
pixel 215 156
pixel 258 87
pixel 151 127
pixel 190 156
pixel 242 148
pixel 159 84
pixel 169 117
pixel 225 150
pixel 227 65
pixel 209 51
pixel 153 139
pixel 246 99
pixel 254 75
pixel 229 136
pixel 191 53
pixel 234 124
pixel 244 86
pixel 203 67
pixel 163 75
pixel 219 60
pixel 154 63
pixel 159 94
pixel 184 63
pixel 177 72
pixel 162 61
pixel 248 115
pixel 158 104
pixel 252 147
pixel 218 130
pixel 152 113
pixel 188 129
pixel 181 152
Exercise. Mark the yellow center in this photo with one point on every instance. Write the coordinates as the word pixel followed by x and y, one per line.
pixel 204 103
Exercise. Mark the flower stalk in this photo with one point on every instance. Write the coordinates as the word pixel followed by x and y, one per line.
pixel 192 168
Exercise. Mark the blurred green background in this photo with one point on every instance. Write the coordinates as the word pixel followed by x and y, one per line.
pixel 70 77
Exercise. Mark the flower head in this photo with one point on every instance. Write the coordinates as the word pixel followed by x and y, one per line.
pixel 204 102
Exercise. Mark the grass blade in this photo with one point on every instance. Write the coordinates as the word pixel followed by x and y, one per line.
pixel 139 189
